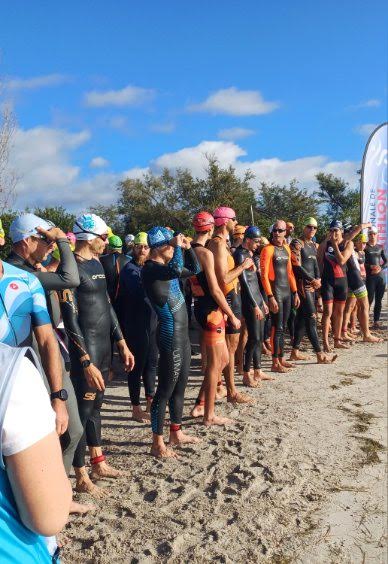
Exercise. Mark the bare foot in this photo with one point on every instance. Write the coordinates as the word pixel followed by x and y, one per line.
pixel 81 508
pixel 249 380
pixel 221 392
pixel 239 369
pixel 178 438
pixel 103 470
pixel 279 368
pixel 327 348
pixel 297 355
pixel 346 338
pixel 217 420
pixel 260 375
pixel 198 411
pixel 354 331
pixel 324 359
pixel 85 485
pixel 140 416
pixel 372 339
pixel 266 351
pixel 239 397
pixel 340 345
pixel 163 452
pixel 286 364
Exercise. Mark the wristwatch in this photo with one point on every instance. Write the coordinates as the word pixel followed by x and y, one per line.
pixel 86 363
pixel 61 394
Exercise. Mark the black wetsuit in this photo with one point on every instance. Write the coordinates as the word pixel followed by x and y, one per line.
pixel 334 280
pixel 138 322
pixel 113 263
pixel 90 321
pixel 306 269
pixel 375 283
pixel 250 299
pixel 161 284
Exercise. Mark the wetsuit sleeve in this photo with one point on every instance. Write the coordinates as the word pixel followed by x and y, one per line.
pixel 317 273
pixel 299 271
pixel 69 309
pixel 265 265
pixel 66 276
pixel 171 270
pixel 39 312
pixel 115 330
pixel 291 276
pixel 384 259
pixel 191 264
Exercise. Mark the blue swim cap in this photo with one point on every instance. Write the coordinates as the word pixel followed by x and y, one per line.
pixel 159 236
pixel 336 224
pixel 252 232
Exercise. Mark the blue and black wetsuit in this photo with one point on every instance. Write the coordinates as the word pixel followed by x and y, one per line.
pixel 161 283
pixel 138 322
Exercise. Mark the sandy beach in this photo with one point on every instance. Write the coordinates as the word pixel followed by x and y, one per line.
pixel 301 476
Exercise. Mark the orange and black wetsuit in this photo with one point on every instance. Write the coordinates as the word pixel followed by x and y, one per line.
pixel 206 310
pixel 232 294
pixel 278 281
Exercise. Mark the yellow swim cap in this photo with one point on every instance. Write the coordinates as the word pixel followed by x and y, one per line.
pixel 310 221
pixel 141 238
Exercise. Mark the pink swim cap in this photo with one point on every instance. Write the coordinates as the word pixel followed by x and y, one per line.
pixel 71 237
pixel 222 215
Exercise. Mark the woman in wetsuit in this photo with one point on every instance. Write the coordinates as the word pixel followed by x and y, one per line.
pixel 90 321
pixel 210 309
pixel 254 309
pixel 375 262
pixel 160 275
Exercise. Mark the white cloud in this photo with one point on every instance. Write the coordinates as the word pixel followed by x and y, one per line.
pixel 365 129
pixel 118 122
pixel 163 127
pixel 372 103
pixel 35 82
pixel 98 162
pixel 235 133
pixel 234 102
pixel 128 96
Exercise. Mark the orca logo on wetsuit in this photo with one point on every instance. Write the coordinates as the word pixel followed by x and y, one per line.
pixel 282 258
pixel 98 276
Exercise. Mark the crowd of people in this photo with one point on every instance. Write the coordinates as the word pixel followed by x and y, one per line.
pixel 69 301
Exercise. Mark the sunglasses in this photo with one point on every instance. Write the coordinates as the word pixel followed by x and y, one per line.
pixel 278 230
pixel 311 227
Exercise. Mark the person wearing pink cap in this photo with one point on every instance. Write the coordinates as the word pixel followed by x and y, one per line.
pixel 227 275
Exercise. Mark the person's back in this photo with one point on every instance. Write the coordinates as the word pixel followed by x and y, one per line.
pixel 113 263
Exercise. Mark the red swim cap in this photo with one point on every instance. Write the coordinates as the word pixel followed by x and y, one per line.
pixel 203 221
pixel 222 215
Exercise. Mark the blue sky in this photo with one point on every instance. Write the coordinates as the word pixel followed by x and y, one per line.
pixel 102 90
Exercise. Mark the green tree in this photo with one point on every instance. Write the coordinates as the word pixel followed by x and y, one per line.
pixel 58 215
pixel 7 218
pixel 337 199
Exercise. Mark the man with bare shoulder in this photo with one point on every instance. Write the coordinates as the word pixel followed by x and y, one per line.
pixel 227 276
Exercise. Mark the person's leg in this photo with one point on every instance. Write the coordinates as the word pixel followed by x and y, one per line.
pixel 299 330
pixel 253 340
pixel 363 316
pixel 350 304
pixel 337 320
pixel 379 295
pixel 370 286
pixel 182 360
pixel 75 429
pixel 150 370
pixel 277 320
pixel 139 347
pixel 241 347
pixel 286 308
pixel 167 368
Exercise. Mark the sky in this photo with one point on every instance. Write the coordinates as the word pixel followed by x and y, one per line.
pixel 106 90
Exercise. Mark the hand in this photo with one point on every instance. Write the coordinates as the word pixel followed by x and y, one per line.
pixel 265 309
pixel 185 243
pixel 235 322
pixel 126 356
pixel 366 225
pixel 94 378
pixel 177 240
pixel 248 263
pixel 375 268
pixel 316 283
pixel 258 313
pixel 53 234
pixel 296 301
pixel 61 416
pixel 273 305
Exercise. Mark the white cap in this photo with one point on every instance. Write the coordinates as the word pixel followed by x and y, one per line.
pixel 89 226
pixel 129 239
pixel 372 229
pixel 25 226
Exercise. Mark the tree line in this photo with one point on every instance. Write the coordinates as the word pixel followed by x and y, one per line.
pixel 172 199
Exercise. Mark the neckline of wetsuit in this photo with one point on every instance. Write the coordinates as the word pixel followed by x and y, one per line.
pixel 195 245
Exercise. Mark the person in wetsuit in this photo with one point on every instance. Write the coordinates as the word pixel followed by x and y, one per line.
pixel 254 309
pixel 138 322
pixel 113 262
pixel 90 321
pixel 308 278
pixel 280 286
pixel 333 254
pixel 210 309
pixel 375 263
pixel 161 275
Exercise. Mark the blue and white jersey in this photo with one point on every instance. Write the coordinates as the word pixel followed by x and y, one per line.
pixel 22 306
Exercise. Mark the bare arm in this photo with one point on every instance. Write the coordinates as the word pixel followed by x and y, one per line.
pixel 224 276
pixel 207 262
pixel 342 258
pixel 40 486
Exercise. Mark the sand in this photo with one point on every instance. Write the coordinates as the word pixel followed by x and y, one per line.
pixel 301 476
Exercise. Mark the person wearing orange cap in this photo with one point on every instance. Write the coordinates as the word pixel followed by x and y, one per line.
pixel 210 308
pixel 227 275
pixel 238 236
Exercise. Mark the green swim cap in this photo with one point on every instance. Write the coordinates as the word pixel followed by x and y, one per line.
pixel 361 237
pixel 141 238
pixel 115 242
pixel 310 221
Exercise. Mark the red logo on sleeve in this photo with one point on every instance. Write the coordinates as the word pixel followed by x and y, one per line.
pixel 14 286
